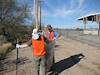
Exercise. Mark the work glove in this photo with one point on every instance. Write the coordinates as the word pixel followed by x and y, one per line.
pixel 55 38
pixel 17 46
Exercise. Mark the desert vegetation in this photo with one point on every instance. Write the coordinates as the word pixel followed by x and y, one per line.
pixel 12 24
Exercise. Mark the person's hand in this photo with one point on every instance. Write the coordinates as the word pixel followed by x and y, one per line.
pixel 17 46
pixel 55 38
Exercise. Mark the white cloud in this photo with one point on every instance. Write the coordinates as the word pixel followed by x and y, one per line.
pixel 58 12
pixel 81 3
pixel 76 4
pixel 62 11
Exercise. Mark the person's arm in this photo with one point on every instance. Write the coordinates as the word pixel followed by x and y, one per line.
pixel 52 38
pixel 21 46
pixel 24 45
pixel 46 39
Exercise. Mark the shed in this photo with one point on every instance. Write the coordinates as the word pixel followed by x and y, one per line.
pixel 95 17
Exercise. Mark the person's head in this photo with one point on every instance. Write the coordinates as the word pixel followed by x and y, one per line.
pixel 49 27
pixel 35 34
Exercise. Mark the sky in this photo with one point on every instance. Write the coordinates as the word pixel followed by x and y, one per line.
pixel 64 13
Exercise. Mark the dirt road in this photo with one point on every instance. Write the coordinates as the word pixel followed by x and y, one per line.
pixel 71 58
pixel 75 58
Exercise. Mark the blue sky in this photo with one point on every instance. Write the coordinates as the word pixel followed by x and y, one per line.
pixel 64 13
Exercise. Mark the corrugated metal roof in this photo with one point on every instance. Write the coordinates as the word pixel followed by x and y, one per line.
pixel 93 14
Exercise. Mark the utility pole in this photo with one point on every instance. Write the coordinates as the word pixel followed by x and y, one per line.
pixel 36 13
pixel 40 11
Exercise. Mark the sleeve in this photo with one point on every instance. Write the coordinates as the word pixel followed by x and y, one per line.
pixel 46 39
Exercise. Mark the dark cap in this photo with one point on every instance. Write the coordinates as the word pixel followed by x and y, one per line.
pixel 49 26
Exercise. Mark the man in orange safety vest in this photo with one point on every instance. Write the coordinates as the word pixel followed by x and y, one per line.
pixel 39 51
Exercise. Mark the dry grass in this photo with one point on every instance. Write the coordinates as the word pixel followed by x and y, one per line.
pixel 4 48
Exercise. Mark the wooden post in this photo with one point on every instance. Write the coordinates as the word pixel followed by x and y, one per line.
pixel 36 13
pixel 99 30
pixel 85 22
pixel 17 63
pixel 40 11
pixel 84 26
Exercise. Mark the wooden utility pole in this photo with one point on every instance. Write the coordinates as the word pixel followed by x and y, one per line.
pixel 36 13
pixel 40 11
pixel 38 6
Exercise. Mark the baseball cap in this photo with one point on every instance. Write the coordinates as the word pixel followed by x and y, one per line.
pixel 49 26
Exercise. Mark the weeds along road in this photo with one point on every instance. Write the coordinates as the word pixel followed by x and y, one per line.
pixel 71 58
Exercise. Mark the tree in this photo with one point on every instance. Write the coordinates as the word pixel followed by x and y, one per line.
pixel 12 15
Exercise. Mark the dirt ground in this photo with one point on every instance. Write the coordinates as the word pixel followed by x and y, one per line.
pixel 71 58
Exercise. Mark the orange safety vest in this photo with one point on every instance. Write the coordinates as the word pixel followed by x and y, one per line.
pixel 39 47
pixel 50 35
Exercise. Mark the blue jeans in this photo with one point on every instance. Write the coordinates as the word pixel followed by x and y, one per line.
pixel 40 65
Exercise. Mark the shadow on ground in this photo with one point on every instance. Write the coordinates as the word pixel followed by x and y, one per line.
pixel 66 63
pixel 10 65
